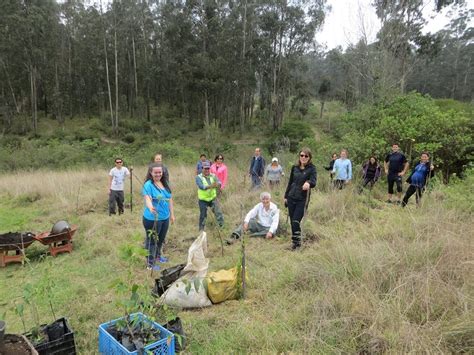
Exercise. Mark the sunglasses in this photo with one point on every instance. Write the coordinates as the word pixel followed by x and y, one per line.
pixel 220 159
pixel 118 162
pixel 304 156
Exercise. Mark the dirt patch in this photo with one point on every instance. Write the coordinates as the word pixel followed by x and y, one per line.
pixel 15 345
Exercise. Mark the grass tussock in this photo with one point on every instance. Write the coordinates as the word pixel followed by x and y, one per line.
pixel 371 278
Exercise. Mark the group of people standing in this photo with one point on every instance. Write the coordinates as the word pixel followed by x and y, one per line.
pixel 395 167
pixel 263 218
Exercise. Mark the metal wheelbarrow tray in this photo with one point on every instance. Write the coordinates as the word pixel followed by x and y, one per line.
pixel 17 242
pixel 58 243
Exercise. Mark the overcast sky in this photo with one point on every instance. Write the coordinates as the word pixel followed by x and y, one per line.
pixel 343 24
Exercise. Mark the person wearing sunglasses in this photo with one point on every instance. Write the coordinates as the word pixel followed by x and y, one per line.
pixel 115 187
pixel 219 169
pixel 302 179
pixel 208 184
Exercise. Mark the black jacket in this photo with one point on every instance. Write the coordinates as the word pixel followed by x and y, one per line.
pixel 331 165
pixel 298 177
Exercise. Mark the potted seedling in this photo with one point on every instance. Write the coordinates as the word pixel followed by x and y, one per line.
pixel 14 343
pixel 56 337
pixel 136 332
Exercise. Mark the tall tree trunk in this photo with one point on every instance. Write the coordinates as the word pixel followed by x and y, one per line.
pixel 71 87
pixel 116 82
pixel 57 98
pixel 17 108
pixel 242 93
pixel 108 86
pixel 135 68
pixel 34 106
pixel 206 115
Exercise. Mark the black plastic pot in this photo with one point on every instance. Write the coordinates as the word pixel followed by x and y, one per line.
pixel 59 339
pixel 2 333
pixel 176 327
pixel 168 276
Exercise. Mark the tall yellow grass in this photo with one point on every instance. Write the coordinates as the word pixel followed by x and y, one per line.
pixel 371 277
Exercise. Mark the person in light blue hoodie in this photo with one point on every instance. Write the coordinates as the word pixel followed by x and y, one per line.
pixel 343 170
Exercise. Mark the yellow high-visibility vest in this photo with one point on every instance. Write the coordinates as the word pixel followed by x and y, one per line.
pixel 209 194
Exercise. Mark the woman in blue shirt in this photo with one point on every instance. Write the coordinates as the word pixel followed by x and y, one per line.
pixel 418 178
pixel 157 213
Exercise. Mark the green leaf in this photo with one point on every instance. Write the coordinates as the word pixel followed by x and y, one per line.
pixel 197 284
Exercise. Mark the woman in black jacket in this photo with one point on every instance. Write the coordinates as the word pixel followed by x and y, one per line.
pixel 302 179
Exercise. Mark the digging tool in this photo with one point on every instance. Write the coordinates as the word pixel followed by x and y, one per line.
pixel 243 254
pixel 131 189
pixel 304 214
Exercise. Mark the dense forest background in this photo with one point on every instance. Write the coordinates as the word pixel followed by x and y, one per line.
pixel 228 66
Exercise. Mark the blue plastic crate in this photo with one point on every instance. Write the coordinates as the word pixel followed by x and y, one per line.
pixel 108 345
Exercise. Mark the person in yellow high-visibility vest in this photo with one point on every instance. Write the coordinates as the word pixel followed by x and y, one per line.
pixel 208 184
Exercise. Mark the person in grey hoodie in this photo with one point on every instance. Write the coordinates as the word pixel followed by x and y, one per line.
pixel 274 172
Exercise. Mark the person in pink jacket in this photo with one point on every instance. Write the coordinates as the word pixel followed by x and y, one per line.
pixel 219 169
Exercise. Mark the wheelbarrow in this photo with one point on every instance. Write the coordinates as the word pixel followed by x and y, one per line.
pixel 58 242
pixel 14 242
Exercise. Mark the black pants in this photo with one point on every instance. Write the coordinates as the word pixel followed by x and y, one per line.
pixel 116 197
pixel 296 213
pixel 410 191
pixel 367 181
pixel 392 179
pixel 339 184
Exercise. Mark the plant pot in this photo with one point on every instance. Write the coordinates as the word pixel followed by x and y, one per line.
pixel 2 334
pixel 168 276
pixel 17 345
pixel 58 339
pixel 176 327
pixel 113 341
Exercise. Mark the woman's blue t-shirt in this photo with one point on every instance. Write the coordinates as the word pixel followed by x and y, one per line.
pixel 160 200
pixel 419 175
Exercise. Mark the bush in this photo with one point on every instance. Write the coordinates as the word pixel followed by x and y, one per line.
pixel 289 136
pixel 415 122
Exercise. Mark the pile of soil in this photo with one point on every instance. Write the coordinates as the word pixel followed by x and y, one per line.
pixel 143 335
pixel 15 345
pixel 15 238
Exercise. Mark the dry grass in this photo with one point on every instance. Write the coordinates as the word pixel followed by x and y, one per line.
pixel 371 278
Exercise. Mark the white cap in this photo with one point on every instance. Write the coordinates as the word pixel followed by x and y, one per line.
pixel 275 159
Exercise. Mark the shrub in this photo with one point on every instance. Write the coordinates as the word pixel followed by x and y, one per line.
pixel 289 136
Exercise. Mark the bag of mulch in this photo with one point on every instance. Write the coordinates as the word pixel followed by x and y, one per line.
pixel 222 285
pixel 187 293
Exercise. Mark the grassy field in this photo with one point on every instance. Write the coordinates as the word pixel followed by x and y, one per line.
pixel 371 277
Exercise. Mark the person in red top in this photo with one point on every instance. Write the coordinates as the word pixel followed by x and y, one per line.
pixel 219 169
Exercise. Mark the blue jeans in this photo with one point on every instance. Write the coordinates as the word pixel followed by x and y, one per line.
pixel 155 237
pixel 256 181
pixel 203 205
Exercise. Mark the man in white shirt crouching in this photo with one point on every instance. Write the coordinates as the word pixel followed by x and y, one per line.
pixel 262 220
